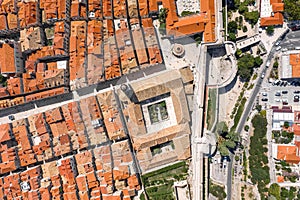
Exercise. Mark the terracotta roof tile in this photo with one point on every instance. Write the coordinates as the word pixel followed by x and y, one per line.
pixel 295 63
pixel 53 115
pixel 133 182
pixel 288 153
pixel 81 183
pixel 27 13
pixel 7 61
pixel 5 132
pixel 2 22
pixel 280 179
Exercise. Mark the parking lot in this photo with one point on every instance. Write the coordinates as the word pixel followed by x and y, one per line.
pixel 291 41
pixel 218 169
pixel 279 95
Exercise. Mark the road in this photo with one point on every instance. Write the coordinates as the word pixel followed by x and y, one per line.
pixel 55 101
pixel 245 115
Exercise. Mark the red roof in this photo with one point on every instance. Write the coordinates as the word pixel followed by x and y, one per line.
pixel 288 153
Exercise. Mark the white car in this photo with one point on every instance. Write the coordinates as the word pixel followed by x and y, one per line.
pixel 277 100
pixel 264 93
pixel 278 48
pixel 263 75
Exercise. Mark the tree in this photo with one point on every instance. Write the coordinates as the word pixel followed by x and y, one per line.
pixel 222 128
pixel 223 149
pixel 162 28
pixel 232 26
pixel 274 190
pixel 246 128
pixel 284 193
pixel 286 124
pixel 236 158
pixel 245 29
pixel 232 37
pixel 243 8
pixel 240 19
pixel 238 53
pixel 270 30
pixel 252 17
pixel 258 108
pixel 186 13
pixel 284 133
pixel 244 73
pixel 276 64
pixel 230 144
pixel 246 63
pixel 163 13
pixel 258 61
pixel 292 9
pixel 233 136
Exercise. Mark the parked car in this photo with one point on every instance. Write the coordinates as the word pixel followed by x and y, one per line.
pixel 278 94
pixel 276 82
pixel 264 99
pixel 277 43
pixel 297 92
pixel 264 94
pixel 284 92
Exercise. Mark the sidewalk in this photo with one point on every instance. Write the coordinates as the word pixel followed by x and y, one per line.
pixel 268 41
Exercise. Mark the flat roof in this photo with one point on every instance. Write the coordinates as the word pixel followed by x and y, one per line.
pixel 265 8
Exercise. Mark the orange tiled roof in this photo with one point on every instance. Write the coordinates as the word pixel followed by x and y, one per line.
pixel 2 22
pixel 288 153
pixel 53 115
pixel 12 21
pixel 27 13
pixel 14 86
pixel 59 128
pixel 278 7
pixel 77 44
pixel 280 179
pixel 277 19
pixel 295 63
pixel 7 60
pixel 4 132
pixel 143 5
pixel 45 94
pixel 269 21
pixel 204 22
pixel 3 92
pixel 296 129
pixel 107 8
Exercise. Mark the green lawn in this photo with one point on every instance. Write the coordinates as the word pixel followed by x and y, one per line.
pixel 211 108
pixel 159 184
